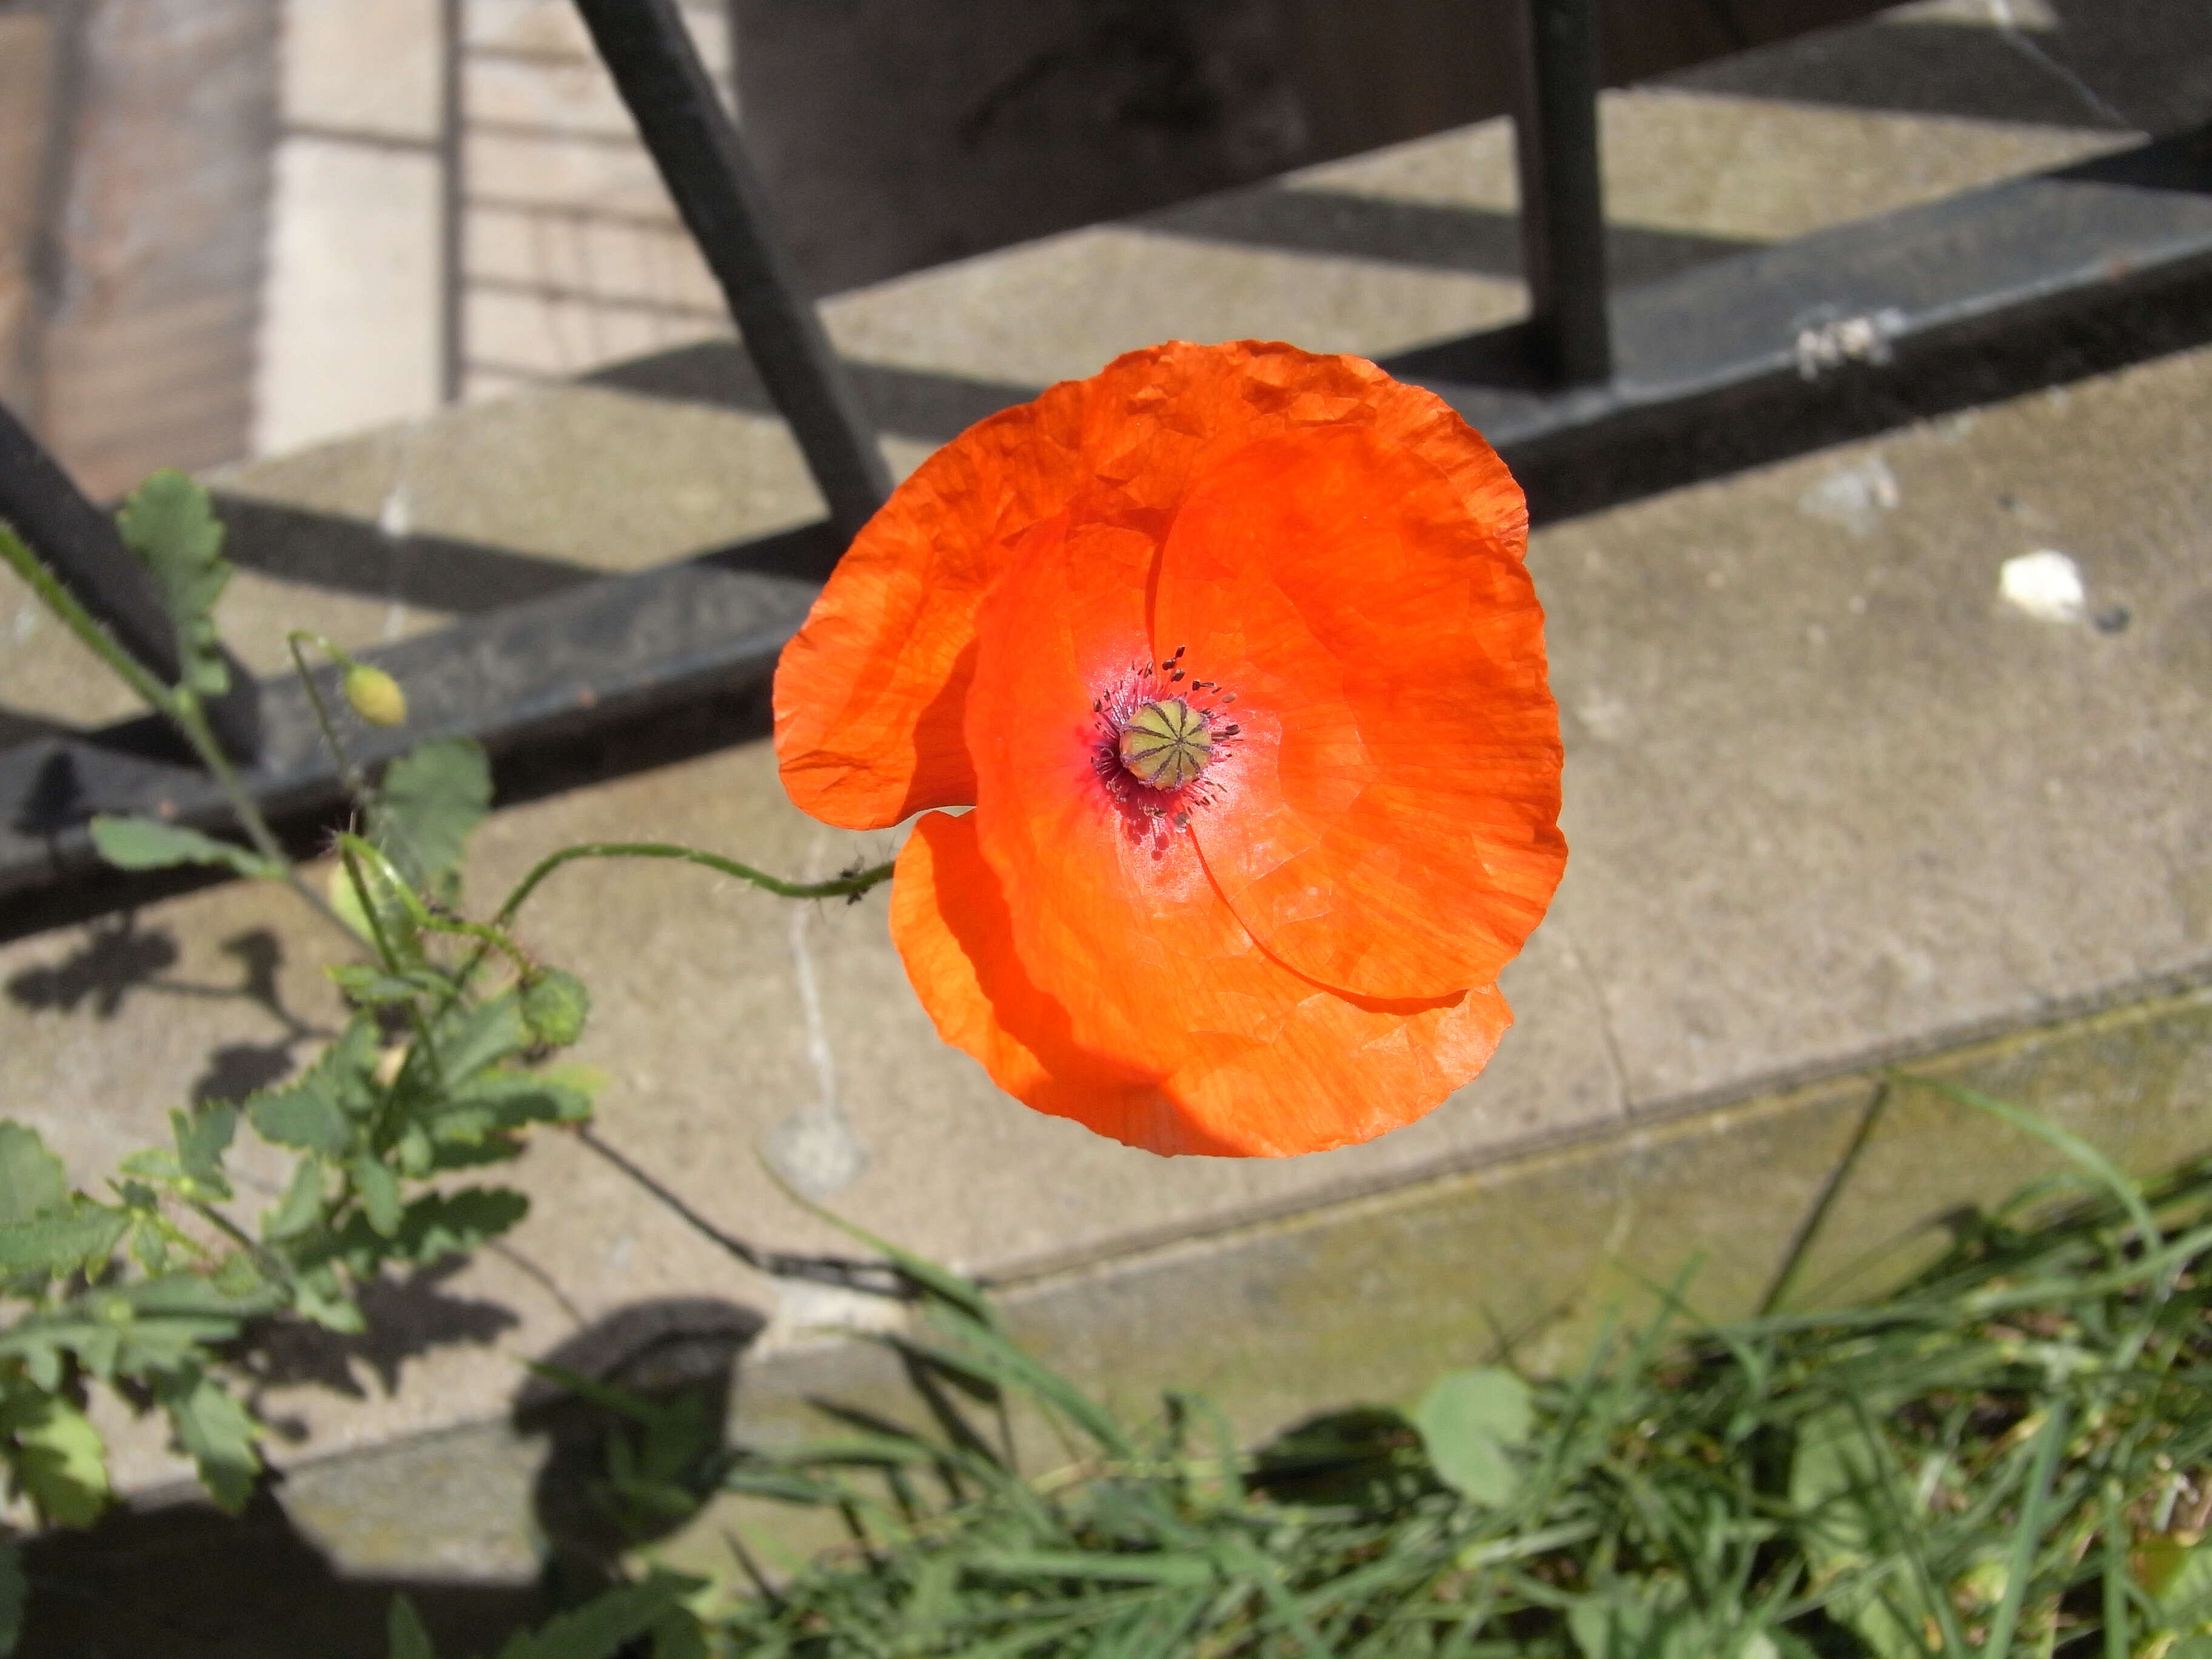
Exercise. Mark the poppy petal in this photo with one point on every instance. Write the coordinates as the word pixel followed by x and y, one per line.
pixel 870 696
pixel 1389 823
pixel 1080 950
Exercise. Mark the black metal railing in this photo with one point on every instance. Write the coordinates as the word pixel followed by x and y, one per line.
pixel 1595 398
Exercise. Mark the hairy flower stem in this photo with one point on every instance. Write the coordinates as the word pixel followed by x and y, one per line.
pixel 178 706
pixel 350 773
pixel 839 887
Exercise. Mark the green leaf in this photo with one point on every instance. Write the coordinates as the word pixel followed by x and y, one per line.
pixel 314 1113
pixel 494 1103
pixel 317 1295
pixel 427 806
pixel 599 1628
pixel 32 1179
pixel 150 1326
pixel 55 1243
pixel 202 1137
pixel 475 1038
pixel 215 1430
pixel 170 523
pixel 15 1589
pixel 149 844
pixel 405 1634
pixel 1470 1421
pixel 2180 1577
pixel 303 1117
pixel 379 1189
pixel 56 1457
pixel 301 1206
pixel 554 1006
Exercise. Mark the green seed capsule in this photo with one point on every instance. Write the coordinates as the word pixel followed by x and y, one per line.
pixel 1166 744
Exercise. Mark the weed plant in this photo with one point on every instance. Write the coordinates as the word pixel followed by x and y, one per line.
pixel 2009 1454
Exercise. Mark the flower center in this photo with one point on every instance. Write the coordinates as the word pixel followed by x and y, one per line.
pixel 1166 744
pixel 1162 739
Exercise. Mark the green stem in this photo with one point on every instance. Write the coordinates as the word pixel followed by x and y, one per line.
pixel 81 623
pixel 385 953
pixel 269 1261
pixel 839 887
pixel 180 708
pixel 487 935
pixel 185 712
pixel 356 781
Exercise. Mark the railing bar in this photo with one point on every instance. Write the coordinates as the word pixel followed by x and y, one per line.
pixel 1562 197
pixel 647 47
pixel 81 546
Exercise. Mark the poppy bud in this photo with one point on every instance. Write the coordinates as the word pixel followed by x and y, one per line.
pixel 554 1006
pixel 375 695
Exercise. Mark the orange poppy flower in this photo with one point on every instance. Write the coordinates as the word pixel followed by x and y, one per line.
pixel 1233 651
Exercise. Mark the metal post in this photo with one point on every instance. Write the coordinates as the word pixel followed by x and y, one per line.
pixel 83 548
pixel 696 145
pixel 1562 202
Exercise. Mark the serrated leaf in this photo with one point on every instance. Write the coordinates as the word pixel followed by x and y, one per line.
pixel 300 1207
pixel 502 1101
pixel 316 1296
pixel 240 1279
pixel 152 1163
pixel 429 802
pixel 170 523
pixel 57 1458
pixel 215 1431
pixel 303 1116
pixel 406 1637
pixel 149 844
pixel 314 1112
pixel 475 1038
pixel 202 1137
pixel 1470 1421
pixel 150 1244
pixel 439 1225
pixel 378 1191
pixel 599 1628
pixel 32 1179
pixel 55 1243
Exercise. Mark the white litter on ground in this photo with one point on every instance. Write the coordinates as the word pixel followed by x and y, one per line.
pixel 2046 585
